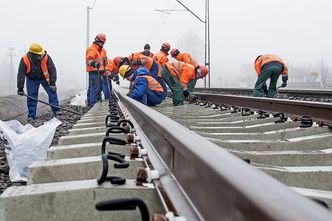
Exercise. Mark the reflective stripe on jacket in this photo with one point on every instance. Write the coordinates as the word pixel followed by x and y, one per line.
pixel 183 71
pixel 43 64
pixel 161 59
pixel 263 60
pixel 153 84
pixel 93 53
pixel 186 58
pixel 147 62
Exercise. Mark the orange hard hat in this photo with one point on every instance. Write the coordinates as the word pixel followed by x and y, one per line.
pixel 174 52
pixel 166 46
pixel 204 70
pixel 117 60
pixel 101 38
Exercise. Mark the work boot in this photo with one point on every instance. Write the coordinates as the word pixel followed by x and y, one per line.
pixel 30 121
pixel 58 113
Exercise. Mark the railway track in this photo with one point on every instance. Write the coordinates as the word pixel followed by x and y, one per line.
pixel 304 94
pixel 192 177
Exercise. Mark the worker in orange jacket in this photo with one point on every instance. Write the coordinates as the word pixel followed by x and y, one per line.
pixel 186 58
pixel 269 66
pixel 147 51
pixel 137 60
pixel 96 61
pixel 111 73
pixel 161 59
pixel 177 76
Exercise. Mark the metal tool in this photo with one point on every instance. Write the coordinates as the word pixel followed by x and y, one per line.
pixel 43 102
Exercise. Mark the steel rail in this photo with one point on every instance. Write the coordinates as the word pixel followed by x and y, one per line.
pixel 305 92
pixel 218 185
pixel 318 111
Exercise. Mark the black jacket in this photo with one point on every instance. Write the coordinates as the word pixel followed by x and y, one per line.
pixel 36 72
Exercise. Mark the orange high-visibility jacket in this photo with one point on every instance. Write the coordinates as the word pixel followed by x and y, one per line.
pixel 111 66
pixel 150 54
pixel 265 59
pixel 186 58
pixel 93 53
pixel 147 62
pixel 43 66
pixel 161 59
pixel 153 84
pixel 183 71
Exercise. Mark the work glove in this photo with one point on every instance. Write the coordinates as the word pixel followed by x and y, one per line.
pixel 20 91
pixel 95 64
pixel 186 93
pixel 284 80
pixel 105 62
pixel 137 63
pixel 53 88
pixel 116 79
pixel 265 89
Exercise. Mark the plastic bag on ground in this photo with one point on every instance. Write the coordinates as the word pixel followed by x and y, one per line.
pixel 26 144
pixel 79 99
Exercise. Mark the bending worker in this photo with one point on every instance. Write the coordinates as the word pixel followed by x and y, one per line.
pixel 161 59
pixel 269 66
pixel 96 62
pixel 146 89
pixel 137 60
pixel 186 58
pixel 178 76
pixel 38 68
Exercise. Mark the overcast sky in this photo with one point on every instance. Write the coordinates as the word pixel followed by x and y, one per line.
pixel 297 30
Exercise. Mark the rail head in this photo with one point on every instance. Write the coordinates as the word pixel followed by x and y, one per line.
pixel 218 185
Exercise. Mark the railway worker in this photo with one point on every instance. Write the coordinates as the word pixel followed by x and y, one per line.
pixel 269 66
pixel 111 73
pixel 145 88
pixel 38 69
pixel 178 75
pixel 161 59
pixel 186 58
pixel 96 61
pixel 137 60
pixel 147 51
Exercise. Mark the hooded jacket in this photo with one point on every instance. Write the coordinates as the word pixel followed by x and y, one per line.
pixel 142 81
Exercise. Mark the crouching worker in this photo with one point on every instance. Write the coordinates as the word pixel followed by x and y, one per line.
pixel 145 88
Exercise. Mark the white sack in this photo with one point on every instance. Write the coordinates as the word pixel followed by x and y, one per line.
pixel 26 144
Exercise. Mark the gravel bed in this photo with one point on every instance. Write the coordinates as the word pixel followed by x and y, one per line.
pixel 68 120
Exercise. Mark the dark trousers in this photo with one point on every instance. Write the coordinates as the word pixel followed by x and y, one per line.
pixel 106 91
pixel 93 89
pixel 154 70
pixel 273 72
pixel 32 89
pixel 175 86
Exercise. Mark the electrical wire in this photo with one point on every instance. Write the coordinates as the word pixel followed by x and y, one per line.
pixel 161 22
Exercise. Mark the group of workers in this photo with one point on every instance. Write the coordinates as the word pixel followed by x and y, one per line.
pixel 148 74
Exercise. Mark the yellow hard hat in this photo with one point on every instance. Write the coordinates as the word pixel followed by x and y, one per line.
pixel 123 70
pixel 36 49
